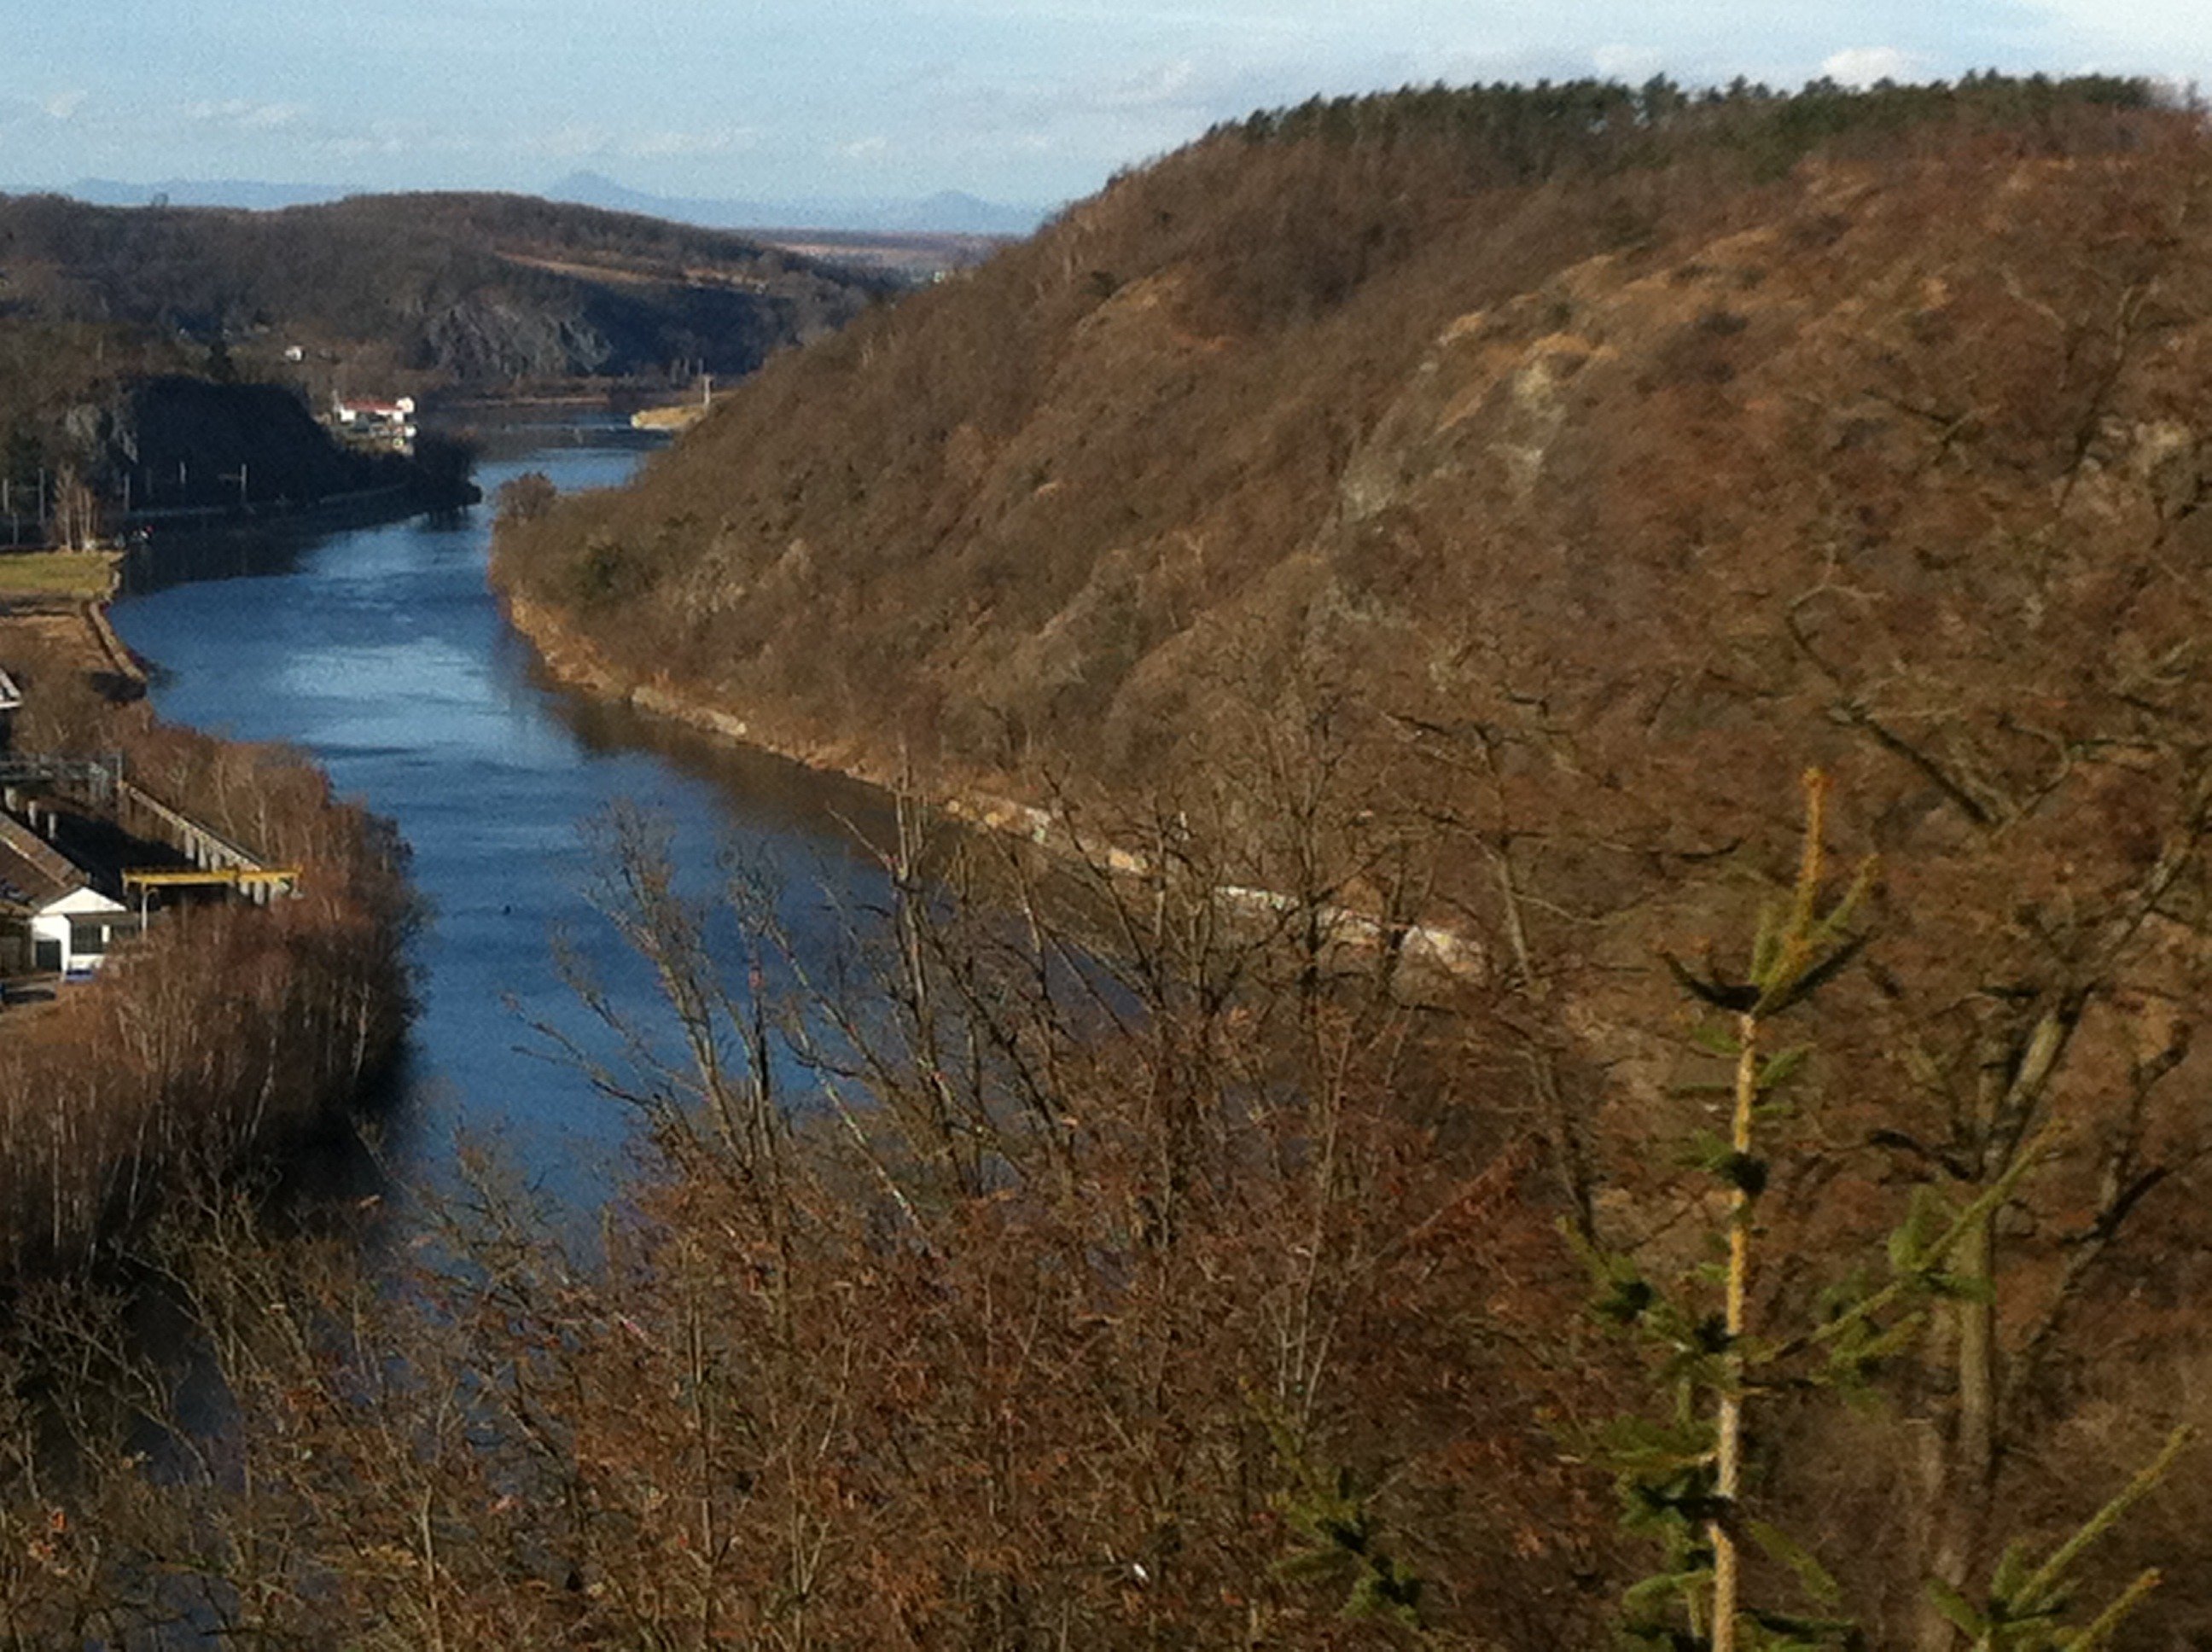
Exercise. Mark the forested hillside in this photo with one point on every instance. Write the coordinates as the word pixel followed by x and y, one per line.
pixel 1475 509
pixel 411 292
pixel 1314 396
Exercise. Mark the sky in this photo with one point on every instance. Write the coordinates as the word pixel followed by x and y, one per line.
pixel 1026 102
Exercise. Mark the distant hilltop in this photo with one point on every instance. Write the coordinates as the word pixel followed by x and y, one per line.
pixel 404 294
pixel 199 192
pixel 949 212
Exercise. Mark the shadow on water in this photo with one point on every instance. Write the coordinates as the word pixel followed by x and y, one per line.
pixel 781 795
pixel 380 650
pixel 173 554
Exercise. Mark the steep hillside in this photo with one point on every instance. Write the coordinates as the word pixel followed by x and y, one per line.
pixel 1477 508
pixel 473 290
pixel 1319 399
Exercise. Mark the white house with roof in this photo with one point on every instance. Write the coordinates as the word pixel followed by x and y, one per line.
pixel 380 423
pixel 51 919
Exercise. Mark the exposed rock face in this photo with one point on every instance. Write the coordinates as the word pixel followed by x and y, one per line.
pixel 470 290
pixel 1089 508
pixel 487 339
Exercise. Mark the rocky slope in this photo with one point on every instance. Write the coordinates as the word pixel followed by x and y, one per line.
pixel 1480 507
pixel 1304 411
pixel 476 291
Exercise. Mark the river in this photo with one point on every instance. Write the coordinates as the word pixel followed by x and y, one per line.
pixel 381 651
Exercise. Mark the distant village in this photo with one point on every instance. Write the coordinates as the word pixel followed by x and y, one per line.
pixel 63 509
pixel 374 426
pixel 87 857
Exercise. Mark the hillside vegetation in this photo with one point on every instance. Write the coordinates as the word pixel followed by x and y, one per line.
pixel 1318 394
pixel 1476 508
pixel 228 1033
pixel 415 291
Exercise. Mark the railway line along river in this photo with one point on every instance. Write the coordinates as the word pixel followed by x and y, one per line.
pixel 381 651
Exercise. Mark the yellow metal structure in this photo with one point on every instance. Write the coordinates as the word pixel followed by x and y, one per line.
pixel 234 877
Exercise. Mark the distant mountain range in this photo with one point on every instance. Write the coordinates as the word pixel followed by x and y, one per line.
pixel 946 213
pixel 949 212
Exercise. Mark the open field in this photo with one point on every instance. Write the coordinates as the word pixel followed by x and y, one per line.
pixel 84 574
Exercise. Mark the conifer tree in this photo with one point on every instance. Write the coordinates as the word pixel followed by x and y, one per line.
pixel 1681 1476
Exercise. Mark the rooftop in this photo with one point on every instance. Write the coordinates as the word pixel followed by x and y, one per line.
pixel 34 874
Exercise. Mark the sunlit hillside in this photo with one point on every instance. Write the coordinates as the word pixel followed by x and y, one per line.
pixel 1471 511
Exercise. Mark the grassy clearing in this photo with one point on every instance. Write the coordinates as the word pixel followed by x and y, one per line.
pixel 85 574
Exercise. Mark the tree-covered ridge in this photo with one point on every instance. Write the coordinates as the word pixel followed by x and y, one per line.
pixel 1492 554
pixel 1029 491
pixel 477 289
pixel 1513 132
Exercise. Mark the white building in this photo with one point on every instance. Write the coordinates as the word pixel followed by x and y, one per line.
pixel 51 920
pixel 388 424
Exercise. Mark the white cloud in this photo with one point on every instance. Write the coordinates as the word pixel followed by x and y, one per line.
pixel 62 105
pixel 864 148
pixel 242 115
pixel 1862 65
pixel 567 142
pixel 355 146
pixel 1168 85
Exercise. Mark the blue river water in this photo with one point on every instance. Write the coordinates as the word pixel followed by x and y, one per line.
pixel 381 651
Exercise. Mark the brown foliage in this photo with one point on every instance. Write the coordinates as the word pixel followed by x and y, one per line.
pixel 1032 1308
pixel 1581 542
pixel 224 1033
pixel 1252 398
pixel 1077 1258
pixel 419 291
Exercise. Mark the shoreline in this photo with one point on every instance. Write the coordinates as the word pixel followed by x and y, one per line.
pixel 575 663
pixel 300 1009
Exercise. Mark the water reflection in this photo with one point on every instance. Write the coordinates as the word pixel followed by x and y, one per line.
pixel 380 650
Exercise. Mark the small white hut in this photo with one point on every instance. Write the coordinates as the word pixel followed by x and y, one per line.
pixel 51 920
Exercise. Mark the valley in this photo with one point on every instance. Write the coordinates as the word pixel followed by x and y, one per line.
pixel 1719 571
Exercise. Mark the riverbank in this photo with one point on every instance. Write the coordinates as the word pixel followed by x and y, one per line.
pixel 356 506
pixel 227 1033
pixel 380 653
pixel 574 662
